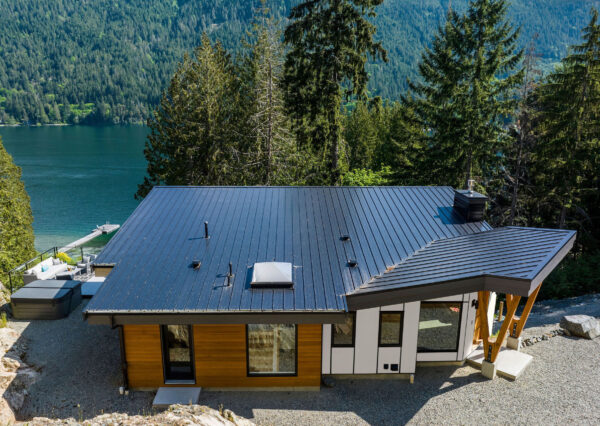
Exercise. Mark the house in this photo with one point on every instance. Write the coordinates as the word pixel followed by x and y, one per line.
pixel 260 287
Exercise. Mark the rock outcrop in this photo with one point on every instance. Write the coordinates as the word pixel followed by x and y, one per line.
pixel 581 325
pixel 176 415
pixel 15 375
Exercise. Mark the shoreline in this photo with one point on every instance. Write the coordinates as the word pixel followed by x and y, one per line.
pixel 69 124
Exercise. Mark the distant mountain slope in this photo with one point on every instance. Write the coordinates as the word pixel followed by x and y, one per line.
pixel 109 60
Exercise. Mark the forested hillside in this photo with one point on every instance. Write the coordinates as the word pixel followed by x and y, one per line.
pixel 107 61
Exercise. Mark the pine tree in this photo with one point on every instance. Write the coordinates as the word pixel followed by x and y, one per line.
pixel 16 219
pixel 195 129
pixel 270 157
pixel 568 155
pixel 329 41
pixel 468 75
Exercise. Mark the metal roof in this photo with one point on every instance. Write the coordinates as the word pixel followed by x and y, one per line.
pixel 512 259
pixel 154 249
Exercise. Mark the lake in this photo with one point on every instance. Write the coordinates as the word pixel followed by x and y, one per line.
pixel 77 176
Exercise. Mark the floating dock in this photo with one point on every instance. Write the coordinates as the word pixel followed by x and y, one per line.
pixel 100 230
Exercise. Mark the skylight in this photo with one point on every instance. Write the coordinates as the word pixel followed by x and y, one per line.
pixel 272 275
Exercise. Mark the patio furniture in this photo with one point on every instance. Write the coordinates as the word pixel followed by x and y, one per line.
pixel 44 270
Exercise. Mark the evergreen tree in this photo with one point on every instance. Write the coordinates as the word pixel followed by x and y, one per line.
pixel 468 75
pixel 329 41
pixel 16 219
pixel 512 204
pixel 195 128
pixel 270 157
pixel 568 155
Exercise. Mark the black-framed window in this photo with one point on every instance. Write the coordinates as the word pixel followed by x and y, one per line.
pixel 342 335
pixel 439 326
pixel 178 353
pixel 272 349
pixel 390 328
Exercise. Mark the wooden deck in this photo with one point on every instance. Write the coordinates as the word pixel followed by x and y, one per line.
pixel 100 230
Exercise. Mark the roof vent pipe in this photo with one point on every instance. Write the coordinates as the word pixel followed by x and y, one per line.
pixel 206 230
pixel 229 275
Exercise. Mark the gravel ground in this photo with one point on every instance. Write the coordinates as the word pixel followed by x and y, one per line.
pixel 80 375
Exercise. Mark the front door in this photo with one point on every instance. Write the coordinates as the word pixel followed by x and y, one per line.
pixel 178 354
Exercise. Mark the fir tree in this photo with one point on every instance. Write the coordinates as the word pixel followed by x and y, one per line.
pixel 468 75
pixel 16 219
pixel 568 155
pixel 195 128
pixel 270 157
pixel 329 41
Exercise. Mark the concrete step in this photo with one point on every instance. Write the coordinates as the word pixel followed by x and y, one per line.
pixel 176 395
pixel 509 363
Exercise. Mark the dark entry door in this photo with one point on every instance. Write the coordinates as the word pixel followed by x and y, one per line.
pixel 178 356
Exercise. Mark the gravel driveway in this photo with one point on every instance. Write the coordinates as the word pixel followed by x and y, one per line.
pixel 80 375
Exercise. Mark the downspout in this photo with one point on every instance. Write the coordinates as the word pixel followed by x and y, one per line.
pixel 123 358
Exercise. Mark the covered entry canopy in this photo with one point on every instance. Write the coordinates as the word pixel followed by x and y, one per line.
pixel 509 260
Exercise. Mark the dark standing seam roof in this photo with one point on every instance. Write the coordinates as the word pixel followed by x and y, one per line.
pixel 511 252
pixel 154 249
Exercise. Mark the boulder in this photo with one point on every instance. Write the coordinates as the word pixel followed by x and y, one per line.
pixel 581 325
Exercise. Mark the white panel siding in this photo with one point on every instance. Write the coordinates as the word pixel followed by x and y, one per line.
pixel 436 356
pixel 461 332
pixel 398 307
pixel 491 310
pixel 469 327
pixel 342 360
pixel 409 337
pixel 388 355
pixel 365 344
pixel 326 356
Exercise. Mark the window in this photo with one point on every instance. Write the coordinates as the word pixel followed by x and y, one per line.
pixel 271 349
pixel 177 353
pixel 390 328
pixel 439 326
pixel 342 335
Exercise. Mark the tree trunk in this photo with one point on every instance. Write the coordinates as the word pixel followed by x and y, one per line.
pixel 270 127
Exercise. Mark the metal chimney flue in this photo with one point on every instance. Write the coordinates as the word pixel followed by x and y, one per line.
pixel 206 230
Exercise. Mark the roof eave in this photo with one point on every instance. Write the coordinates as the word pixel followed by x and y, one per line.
pixel 290 317
pixel 485 282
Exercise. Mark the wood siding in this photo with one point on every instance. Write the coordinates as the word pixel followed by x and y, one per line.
pixel 220 357
pixel 102 271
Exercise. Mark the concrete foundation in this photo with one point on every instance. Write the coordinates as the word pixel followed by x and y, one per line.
pixel 513 343
pixel 488 369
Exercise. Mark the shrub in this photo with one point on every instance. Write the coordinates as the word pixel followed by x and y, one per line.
pixel 64 257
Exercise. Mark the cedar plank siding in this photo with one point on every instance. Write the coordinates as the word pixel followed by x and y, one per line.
pixel 220 357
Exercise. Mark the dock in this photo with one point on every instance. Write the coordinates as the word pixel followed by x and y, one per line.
pixel 100 230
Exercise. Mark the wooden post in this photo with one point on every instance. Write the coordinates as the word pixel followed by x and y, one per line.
pixel 510 312
pixel 484 327
pixel 518 323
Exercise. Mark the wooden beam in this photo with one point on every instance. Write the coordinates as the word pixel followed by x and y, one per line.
pixel 484 327
pixel 510 312
pixel 518 324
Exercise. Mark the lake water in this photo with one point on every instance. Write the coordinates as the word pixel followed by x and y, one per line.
pixel 77 176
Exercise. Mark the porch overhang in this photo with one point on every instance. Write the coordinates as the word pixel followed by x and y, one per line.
pixel 505 260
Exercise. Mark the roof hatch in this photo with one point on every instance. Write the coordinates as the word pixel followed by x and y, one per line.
pixel 272 275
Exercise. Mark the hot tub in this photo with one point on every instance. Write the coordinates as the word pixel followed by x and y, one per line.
pixel 46 299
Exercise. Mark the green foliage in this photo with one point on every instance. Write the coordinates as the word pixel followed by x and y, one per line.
pixel 270 154
pixel 469 76
pixel 123 54
pixel 329 42
pixel 16 219
pixel 194 130
pixel 573 277
pixel 64 257
pixel 366 177
pixel 3 320
pixel 566 174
